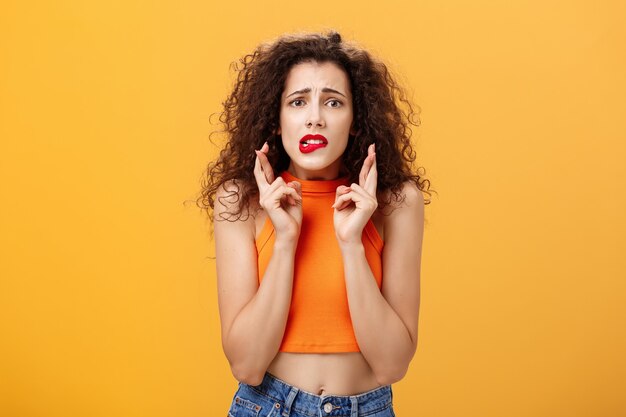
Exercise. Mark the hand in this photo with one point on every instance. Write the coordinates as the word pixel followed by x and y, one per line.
pixel 282 201
pixel 354 205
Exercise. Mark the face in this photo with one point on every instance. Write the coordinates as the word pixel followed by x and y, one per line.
pixel 316 100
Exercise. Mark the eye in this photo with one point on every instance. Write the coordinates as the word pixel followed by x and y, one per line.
pixel 339 103
pixel 293 101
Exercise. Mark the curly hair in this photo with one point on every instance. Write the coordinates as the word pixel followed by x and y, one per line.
pixel 252 113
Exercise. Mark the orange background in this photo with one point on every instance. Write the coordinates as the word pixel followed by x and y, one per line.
pixel 108 295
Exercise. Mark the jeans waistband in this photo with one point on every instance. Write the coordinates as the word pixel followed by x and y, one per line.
pixel 324 405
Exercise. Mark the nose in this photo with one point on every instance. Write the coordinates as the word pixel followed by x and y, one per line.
pixel 315 118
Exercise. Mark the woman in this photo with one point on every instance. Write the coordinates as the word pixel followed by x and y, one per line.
pixel 319 153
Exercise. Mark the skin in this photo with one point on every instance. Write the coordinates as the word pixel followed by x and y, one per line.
pixel 254 317
pixel 328 113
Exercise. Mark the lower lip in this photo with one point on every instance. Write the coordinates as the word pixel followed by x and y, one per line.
pixel 311 148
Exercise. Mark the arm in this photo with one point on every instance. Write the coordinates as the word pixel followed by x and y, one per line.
pixel 253 317
pixel 385 322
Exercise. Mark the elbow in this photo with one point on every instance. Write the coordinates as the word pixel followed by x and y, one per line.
pixel 243 371
pixel 247 375
pixel 396 371
pixel 393 373
pixel 389 378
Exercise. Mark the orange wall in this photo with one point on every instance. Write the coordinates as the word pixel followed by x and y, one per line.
pixel 107 292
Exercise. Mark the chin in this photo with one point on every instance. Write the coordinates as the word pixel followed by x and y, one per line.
pixel 310 165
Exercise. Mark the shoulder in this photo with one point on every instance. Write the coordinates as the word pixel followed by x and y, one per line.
pixel 410 198
pixel 404 213
pixel 228 196
pixel 405 224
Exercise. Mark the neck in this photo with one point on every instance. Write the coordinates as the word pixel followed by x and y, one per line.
pixel 329 173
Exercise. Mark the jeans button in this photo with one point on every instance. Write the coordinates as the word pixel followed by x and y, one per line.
pixel 328 407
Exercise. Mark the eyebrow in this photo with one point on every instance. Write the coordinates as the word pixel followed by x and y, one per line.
pixel 308 90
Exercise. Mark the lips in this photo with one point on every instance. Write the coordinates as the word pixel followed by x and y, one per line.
pixel 307 148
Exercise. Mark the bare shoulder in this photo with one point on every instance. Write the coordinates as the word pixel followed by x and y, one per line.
pixel 227 200
pixel 411 198
pixel 414 196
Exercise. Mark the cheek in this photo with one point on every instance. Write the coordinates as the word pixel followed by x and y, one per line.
pixel 289 128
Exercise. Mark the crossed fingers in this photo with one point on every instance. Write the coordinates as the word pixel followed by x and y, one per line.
pixel 368 177
pixel 264 174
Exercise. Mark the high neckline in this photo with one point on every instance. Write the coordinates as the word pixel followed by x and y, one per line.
pixel 319 186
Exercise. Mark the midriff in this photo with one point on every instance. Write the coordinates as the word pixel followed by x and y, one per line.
pixel 346 373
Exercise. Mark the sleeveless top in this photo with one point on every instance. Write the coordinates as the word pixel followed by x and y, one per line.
pixel 319 316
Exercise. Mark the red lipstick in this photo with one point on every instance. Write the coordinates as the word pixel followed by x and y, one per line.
pixel 310 147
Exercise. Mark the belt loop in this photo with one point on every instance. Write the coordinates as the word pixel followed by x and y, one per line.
pixel 290 397
pixel 354 410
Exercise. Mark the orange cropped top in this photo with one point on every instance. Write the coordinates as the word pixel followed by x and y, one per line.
pixel 319 318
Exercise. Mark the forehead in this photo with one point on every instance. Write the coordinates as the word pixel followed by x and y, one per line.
pixel 316 75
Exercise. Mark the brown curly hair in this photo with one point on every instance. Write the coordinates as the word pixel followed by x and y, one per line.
pixel 252 112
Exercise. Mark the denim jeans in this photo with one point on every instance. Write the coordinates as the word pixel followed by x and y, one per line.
pixel 276 398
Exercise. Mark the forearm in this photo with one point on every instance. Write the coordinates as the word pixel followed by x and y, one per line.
pixel 383 338
pixel 257 331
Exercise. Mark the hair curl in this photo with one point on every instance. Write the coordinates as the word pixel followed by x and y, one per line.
pixel 252 113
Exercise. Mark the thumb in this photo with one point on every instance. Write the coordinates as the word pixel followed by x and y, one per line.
pixel 296 186
pixel 341 190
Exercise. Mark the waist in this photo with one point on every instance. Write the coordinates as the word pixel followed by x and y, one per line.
pixel 325 373
pixel 308 403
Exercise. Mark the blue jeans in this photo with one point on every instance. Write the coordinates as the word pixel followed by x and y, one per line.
pixel 276 398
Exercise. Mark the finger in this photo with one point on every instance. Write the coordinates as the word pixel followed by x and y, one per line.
pixel 290 199
pixel 372 178
pixel 261 180
pixel 269 190
pixel 278 181
pixel 346 199
pixel 357 188
pixel 292 196
pixel 341 190
pixel 265 165
pixel 364 170
pixel 362 192
pixel 343 205
pixel 367 166
pixel 297 186
pixel 282 191
pixel 349 194
pixel 365 197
